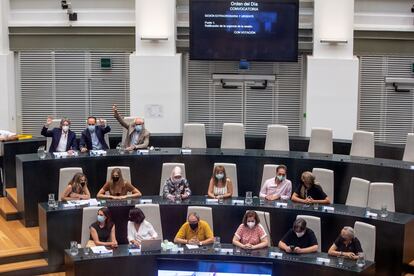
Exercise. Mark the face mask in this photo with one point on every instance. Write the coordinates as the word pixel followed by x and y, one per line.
pixel 91 128
pixel 83 183
pixel 280 177
pixel 220 176
pixel 115 178
pixel 101 218
pixel 177 180
pixel 193 226
pixel 65 128
pixel 251 224
pixel 138 128
pixel 299 235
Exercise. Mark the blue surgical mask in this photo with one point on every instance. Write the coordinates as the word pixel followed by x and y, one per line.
pixel 101 218
pixel 280 177
pixel 138 128
pixel 91 128
pixel 220 176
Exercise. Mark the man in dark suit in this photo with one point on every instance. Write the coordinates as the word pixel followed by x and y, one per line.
pixel 92 137
pixel 63 139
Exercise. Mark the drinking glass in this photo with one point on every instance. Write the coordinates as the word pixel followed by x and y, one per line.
pixel 74 250
pixel 384 211
pixel 361 260
pixel 217 244
pixel 121 148
pixel 220 200
pixel 41 152
pixel 86 251
pixel 249 198
pixel 261 201
pixel 341 260
pixel 316 206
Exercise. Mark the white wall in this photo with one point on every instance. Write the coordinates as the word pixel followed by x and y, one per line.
pixel 156 83
pixel 332 73
pixel 7 90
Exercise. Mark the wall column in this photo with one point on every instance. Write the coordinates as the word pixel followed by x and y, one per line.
pixel 332 73
pixel 7 79
pixel 155 67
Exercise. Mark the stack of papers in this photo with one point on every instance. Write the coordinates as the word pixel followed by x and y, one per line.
pixel 211 200
pixel 191 246
pixel 74 203
pixel 60 154
pixel 98 152
pixel 101 250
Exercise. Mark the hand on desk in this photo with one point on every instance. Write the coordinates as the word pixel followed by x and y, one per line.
pixel 194 240
pixel 84 149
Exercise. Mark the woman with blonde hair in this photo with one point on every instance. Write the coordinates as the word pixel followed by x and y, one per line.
pixel 77 188
pixel 118 187
pixel 309 192
pixel 220 185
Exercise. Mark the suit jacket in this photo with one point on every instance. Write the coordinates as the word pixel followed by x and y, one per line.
pixel 55 134
pixel 144 135
pixel 86 138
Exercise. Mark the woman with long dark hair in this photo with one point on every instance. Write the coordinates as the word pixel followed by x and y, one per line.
pixel 118 187
pixel 77 188
pixel 103 230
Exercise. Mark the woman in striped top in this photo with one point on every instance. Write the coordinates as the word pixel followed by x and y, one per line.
pixel 220 185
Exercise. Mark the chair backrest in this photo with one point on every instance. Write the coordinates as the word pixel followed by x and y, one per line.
pixel 205 213
pixel 166 173
pixel 66 175
pixel 128 120
pixel 231 172
pixel 409 148
pixel 358 192
pixel 363 144
pixel 232 136
pixel 55 123
pixel 194 136
pixel 126 172
pixel 153 215
pixel 264 218
pixel 89 215
pixel 106 138
pixel 313 223
pixel 321 141
pixel 269 171
pixel 366 234
pixel 325 178
pixel 381 194
pixel 277 138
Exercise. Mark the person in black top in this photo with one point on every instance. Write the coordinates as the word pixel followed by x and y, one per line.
pixel 299 239
pixel 346 244
pixel 103 230
pixel 309 192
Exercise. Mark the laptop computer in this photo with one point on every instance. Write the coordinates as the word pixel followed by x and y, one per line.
pixel 150 245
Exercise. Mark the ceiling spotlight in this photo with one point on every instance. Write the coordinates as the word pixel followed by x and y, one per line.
pixel 73 16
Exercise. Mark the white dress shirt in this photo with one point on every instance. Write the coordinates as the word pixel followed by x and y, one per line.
pixel 61 147
pixel 145 232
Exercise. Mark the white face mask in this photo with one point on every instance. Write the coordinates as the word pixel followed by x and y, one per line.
pixel 251 224
pixel 300 234
pixel 65 128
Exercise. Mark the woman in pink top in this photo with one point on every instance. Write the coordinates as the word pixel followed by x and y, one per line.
pixel 251 234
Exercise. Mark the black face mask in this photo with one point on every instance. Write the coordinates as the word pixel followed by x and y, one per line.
pixel 83 184
pixel 193 226
pixel 115 178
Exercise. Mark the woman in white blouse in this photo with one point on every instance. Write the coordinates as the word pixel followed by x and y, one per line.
pixel 138 228
pixel 220 185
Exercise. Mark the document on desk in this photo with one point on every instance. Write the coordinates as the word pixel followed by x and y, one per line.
pixel 101 250
pixel 192 246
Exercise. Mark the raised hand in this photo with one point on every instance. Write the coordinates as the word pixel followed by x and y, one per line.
pixel 114 108
pixel 49 120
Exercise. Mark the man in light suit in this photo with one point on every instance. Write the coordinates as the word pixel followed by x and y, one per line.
pixel 92 137
pixel 63 139
pixel 138 135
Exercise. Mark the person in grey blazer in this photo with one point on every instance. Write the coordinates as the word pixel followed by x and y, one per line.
pixel 138 135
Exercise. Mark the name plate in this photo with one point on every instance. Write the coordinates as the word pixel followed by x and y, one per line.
pixel 142 152
pixel 328 209
pixel 371 214
pixel 211 200
pixel 145 201
pixel 134 250
pixel 186 151
pixel 323 260
pixel 278 255
pixel 97 153
pixel 281 204
pixel 237 202
pixel 226 250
